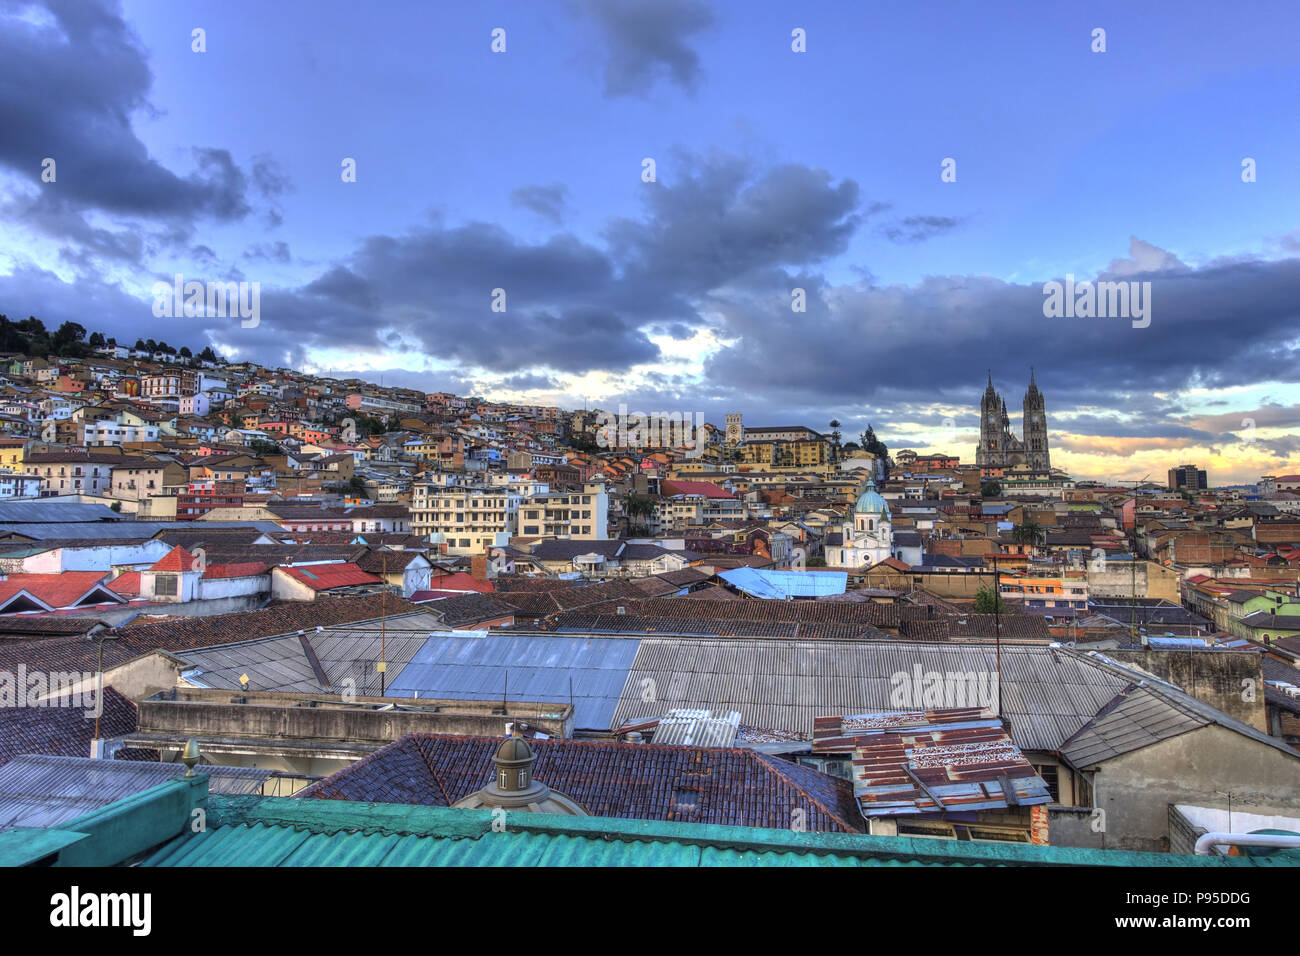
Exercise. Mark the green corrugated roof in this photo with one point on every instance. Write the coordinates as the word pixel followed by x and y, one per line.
pixel 277 831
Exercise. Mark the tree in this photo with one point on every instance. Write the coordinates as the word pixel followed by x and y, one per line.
pixel 990 489
pixel 261 446
pixel 96 340
pixel 140 345
pixel 67 340
pixel 874 446
pixel 988 602
pixel 1027 532
pixel 185 352
pixel 640 507
pixel 151 346
pixel 207 355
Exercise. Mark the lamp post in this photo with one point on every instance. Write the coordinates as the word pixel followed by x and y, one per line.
pixel 99 674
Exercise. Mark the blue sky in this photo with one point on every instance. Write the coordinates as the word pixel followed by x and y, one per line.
pixel 775 170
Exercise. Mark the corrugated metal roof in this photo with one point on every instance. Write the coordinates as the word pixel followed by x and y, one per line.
pixel 345 651
pixel 268 831
pixel 698 728
pixel 126 529
pixel 1047 693
pixel 43 791
pixel 537 668
pixel 935 761
pixel 779 585
pixel 1138 719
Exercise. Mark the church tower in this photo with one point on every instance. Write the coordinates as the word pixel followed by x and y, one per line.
pixel 1035 428
pixel 989 450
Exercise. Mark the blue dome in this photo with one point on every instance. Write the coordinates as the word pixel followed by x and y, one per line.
pixel 869 502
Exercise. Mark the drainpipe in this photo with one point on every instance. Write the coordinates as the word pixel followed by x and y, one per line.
pixel 1207 840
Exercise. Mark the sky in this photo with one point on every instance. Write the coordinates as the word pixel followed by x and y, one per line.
pixel 655 187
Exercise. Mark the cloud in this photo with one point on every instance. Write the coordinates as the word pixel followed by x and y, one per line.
pixel 92 76
pixel 272 251
pixel 918 228
pixel 646 40
pixel 547 201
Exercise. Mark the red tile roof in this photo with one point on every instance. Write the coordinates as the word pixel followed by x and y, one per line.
pixel 56 590
pixel 237 569
pixel 126 584
pixel 460 581
pixel 62 731
pixel 325 577
pixel 723 785
pixel 706 488
pixel 177 559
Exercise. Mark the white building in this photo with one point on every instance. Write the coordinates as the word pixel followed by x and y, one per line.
pixel 867 534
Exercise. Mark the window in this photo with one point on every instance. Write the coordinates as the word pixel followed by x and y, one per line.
pixel 1049 774
pixel 164 585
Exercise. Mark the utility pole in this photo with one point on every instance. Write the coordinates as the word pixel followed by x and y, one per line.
pixel 997 628
pixel 383 624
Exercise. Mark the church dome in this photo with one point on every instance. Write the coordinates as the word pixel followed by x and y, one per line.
pixel 869 502
pixel 514 788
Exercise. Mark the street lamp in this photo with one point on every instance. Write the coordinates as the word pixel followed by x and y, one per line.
pixel 99 674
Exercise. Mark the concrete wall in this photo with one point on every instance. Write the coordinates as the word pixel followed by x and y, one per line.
pixel 1230 681
pixel 1137 788
pixel 1119 579
pixel 1074 826
pixel 273 717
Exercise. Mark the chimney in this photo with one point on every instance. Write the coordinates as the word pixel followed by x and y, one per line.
pixel 478 567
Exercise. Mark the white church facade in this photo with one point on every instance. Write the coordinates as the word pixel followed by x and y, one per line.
pixel 867 535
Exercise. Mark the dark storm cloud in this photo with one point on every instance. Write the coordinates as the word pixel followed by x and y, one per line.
pixel 572 306
pixel 646 40
pixel 715 221
pixel 99 306
pixel 547 201
pixel 86 74
pixel 1231 324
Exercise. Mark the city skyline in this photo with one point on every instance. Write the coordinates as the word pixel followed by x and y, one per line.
pixel 775 171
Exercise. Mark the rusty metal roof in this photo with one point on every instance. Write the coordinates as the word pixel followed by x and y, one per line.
pixel 937 761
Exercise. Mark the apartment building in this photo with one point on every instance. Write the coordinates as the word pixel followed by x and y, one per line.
pixel 106 433
pixel 469 519
pixel 19 485
pixel 373 404
pixel 567 514
pixel 1059 591
pixel 72 473
pixel 172 383
pixel 135 479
